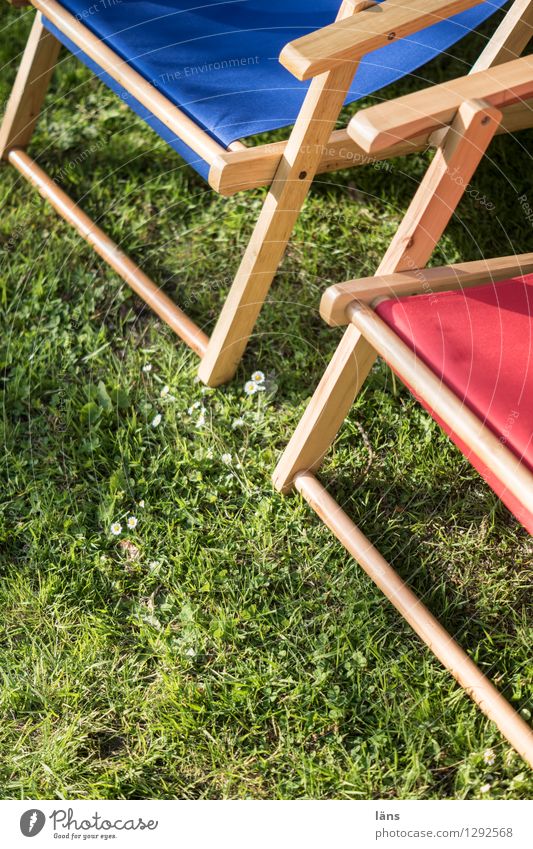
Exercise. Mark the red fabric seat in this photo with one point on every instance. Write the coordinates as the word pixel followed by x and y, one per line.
pixel 479 341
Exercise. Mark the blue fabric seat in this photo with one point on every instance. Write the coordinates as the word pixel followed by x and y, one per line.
pixel 218 61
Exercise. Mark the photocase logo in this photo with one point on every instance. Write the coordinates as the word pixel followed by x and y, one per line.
pixel 32 822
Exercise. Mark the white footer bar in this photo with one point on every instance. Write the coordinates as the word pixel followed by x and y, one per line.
pixel 261 824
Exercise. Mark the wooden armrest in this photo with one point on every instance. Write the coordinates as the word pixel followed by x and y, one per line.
pixel 424 111
pixel 351 38
pixel 421 281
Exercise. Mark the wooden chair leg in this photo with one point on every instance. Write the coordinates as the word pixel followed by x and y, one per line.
pixel 31 84
pixel 275 225
pixel 327 409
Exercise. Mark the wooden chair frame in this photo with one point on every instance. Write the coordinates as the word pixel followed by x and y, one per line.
pixel 402 273
pixel 330 57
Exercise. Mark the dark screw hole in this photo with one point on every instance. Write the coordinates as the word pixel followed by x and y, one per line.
pixel 302 175
pixel 391 36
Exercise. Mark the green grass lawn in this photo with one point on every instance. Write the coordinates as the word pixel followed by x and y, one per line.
pixel 227 646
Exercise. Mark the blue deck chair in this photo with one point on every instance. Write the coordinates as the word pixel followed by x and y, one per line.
pixel 206 75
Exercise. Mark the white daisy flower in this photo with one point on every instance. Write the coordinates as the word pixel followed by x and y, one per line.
pixel 156 420
pixel 201 421
pixel 237 423
pixel 193 407
pixel 258 377
pixel 489 757
pixel 132 522
pixel 147 368
pixel 250 387
pixel 485 788
pixel 141 502
pixel 165 390
pixel 116 529
pixel 190 652
pixel 226 459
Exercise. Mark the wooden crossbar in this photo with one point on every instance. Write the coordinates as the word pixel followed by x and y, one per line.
pixel 110 252
pixel 256 166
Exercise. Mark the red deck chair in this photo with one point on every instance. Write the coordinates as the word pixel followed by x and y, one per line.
pixel 460 337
